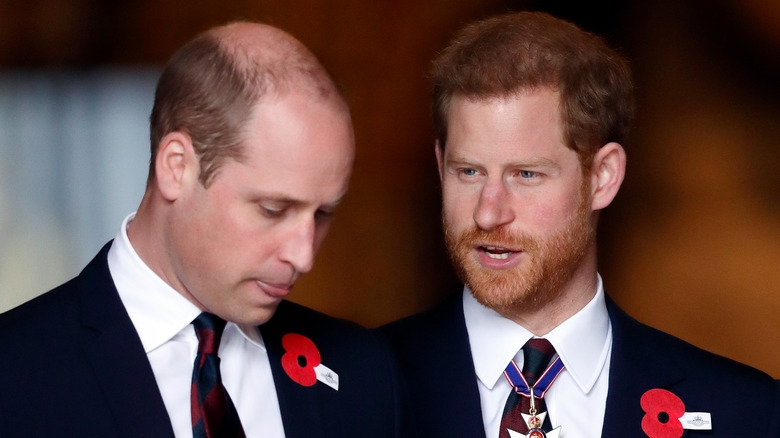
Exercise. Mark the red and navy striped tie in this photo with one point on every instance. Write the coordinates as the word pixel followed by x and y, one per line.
pixel 213 412
pixel 540 365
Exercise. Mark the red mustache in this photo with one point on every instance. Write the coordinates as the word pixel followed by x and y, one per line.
pixel 500 237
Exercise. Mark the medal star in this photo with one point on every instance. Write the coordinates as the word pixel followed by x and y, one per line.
pixel 555 433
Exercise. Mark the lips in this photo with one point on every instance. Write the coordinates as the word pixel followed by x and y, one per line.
pixel 275 290
pixel 498 257
pixel 497 252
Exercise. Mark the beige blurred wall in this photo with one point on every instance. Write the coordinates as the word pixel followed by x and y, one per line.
pixel 691 245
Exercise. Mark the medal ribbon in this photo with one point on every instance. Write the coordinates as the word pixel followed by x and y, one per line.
pixel 516 379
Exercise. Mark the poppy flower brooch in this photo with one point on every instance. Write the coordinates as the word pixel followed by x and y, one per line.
pixel 665 415
pixel 303 364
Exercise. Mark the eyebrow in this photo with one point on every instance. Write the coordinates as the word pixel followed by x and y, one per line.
pixel 534 162
pixel 293 202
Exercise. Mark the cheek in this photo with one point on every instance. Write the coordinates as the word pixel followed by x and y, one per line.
pixel 456 218
pixel 226 238
pixel 205 218
pixel 547 213
pixel 458 205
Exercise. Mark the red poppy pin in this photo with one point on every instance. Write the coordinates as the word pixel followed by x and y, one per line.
pixel 303 363
pixel 665 415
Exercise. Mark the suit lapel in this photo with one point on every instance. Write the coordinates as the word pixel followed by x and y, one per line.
pixel 300 405
pixel 453 380
pixel 114 351
pixel 635 368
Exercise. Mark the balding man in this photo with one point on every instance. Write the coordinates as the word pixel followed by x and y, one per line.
pixel 179 327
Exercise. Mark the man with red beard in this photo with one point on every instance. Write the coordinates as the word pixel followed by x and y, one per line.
pixel 530 113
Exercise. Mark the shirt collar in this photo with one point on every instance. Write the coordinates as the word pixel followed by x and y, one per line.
pixel 582 341
pixel 157 311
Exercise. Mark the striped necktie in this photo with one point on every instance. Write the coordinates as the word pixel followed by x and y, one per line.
pixel 541 365
pixel 213 412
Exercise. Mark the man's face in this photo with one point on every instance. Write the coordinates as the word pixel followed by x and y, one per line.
pixel 238 246
pixel 516 207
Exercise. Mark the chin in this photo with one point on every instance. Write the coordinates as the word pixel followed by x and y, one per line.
pixel 501 296
pixel 262 315
pixel 250 314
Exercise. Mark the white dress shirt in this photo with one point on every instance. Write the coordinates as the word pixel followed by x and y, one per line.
pixel 576 400
pixel 163 319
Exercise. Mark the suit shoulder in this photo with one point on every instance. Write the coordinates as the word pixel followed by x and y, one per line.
pixel 441 329
pixel 323 329
pixel 644 358
pixel 405 326
pixel 689 354
pixel 289 313
pixel 61 304
pixel 444 314
pixel 662 346
pixel 43 310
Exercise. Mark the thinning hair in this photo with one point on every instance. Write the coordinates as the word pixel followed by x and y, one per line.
pixel 211 85
pixel 503 55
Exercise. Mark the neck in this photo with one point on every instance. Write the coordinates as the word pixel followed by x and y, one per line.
pixel 147 236
pixel 564 303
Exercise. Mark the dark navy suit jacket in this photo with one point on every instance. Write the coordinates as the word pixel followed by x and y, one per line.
pixel 72 365
pixel 435 358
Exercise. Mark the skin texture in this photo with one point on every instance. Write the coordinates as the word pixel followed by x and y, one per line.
pixel 519 210
pixel 236 247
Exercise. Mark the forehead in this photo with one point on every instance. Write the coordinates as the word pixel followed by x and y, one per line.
pixel 298 145
pixel 295 115
pixel 528 120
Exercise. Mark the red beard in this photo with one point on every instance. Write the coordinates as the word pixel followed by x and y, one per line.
pixel 549 262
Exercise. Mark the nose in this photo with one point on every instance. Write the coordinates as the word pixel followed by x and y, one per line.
pixel 494 208
pixel 299 247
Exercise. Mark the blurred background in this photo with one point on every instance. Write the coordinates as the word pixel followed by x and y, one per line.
pixel 691 245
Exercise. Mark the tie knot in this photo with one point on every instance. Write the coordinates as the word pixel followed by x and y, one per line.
pixel 537 354
pixel 208 329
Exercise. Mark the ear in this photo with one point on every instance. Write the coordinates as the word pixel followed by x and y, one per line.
pixel 608 171
pixel 175 163
pixel 439 160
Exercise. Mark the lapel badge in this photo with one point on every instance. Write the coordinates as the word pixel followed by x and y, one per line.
pixel 303 364
pixel 665 415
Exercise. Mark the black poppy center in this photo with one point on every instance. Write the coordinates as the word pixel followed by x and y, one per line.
pixel 302 361
pixel 663 417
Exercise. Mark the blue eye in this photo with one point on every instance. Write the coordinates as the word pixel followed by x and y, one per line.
pixel 469 172
pixel 527 174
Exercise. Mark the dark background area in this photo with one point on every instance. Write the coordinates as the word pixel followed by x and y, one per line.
pixel 692 243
